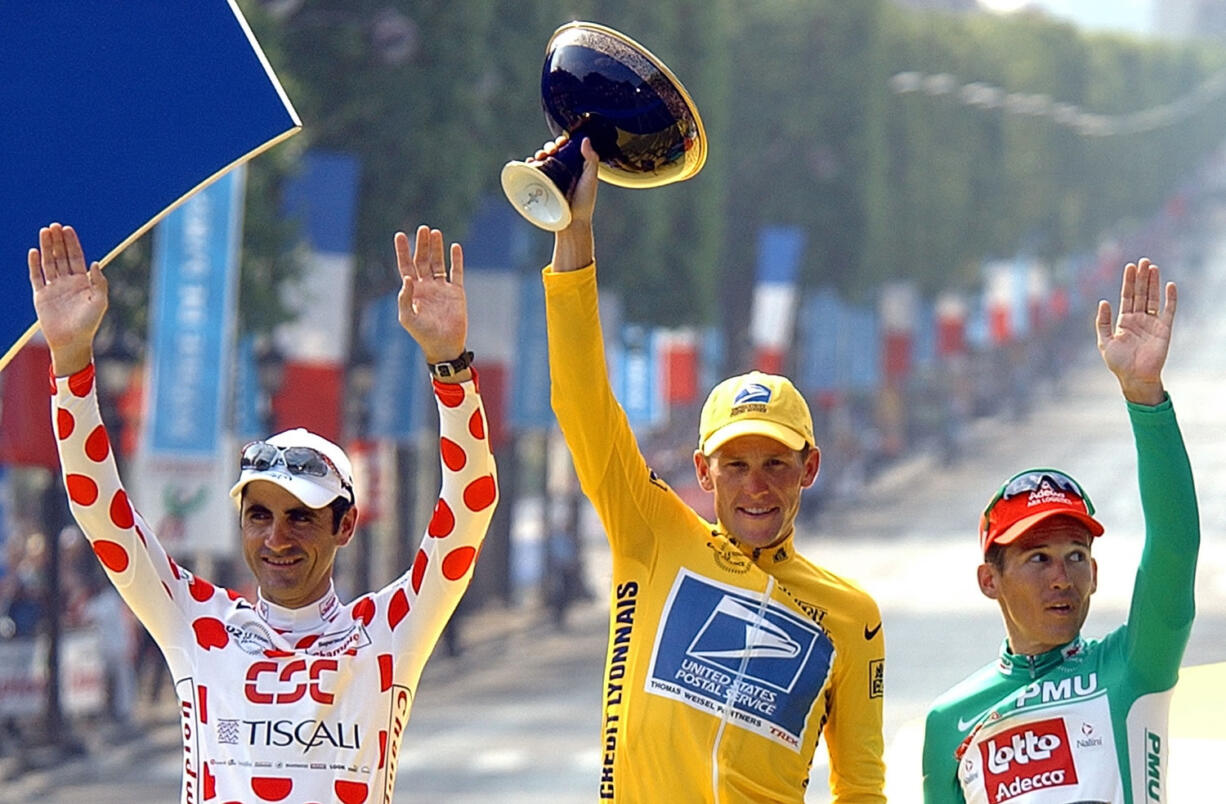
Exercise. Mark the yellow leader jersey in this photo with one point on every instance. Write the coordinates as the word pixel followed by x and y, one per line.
pixel 723 668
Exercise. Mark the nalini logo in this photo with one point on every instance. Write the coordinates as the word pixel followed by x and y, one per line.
pixel 1034 756
pixel 752 393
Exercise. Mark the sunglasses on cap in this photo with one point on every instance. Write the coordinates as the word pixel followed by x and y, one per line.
pixel 262 456
pixel 1028 482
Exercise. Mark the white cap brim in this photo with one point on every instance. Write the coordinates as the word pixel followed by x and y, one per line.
pixel 314 492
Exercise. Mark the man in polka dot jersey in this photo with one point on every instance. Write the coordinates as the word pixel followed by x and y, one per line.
pixel 297 697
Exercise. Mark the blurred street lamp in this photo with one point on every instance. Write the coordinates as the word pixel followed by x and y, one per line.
pixel 901 83
pixel 940 84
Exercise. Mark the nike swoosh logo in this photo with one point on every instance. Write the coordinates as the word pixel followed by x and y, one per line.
pixel 870 633
pixel 963 725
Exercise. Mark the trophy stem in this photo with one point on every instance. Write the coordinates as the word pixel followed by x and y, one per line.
pixel 540 190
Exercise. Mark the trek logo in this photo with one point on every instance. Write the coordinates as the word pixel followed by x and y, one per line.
pixel 1033 756
pixel 270 683
pixel 721 651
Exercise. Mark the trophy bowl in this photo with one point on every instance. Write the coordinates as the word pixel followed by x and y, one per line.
pixel 601 84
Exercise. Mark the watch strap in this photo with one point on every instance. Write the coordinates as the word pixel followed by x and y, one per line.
pixel 449 368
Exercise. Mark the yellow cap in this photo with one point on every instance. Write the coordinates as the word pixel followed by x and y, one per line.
pixel 755 404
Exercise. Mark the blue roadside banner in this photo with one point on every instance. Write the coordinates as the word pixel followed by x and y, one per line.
pixel 401 385
pixel 530 409
pixel 192 321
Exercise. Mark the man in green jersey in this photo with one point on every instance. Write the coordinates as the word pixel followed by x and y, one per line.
pixel 1058 718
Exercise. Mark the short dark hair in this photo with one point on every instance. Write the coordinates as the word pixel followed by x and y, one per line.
pixel 995 556
pixel 340 506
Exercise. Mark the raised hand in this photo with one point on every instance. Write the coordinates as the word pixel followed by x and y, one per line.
pixel 1135 348
pixel 574 247
pixel 69 298
pixel 433 307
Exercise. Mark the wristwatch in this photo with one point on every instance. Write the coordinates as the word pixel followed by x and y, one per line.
pixel 448 368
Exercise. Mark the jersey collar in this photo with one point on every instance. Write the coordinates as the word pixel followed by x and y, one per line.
pixel 767 557
pixel 1020 664
pixel 308 618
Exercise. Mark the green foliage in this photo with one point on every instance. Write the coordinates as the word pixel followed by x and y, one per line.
pixel 433 97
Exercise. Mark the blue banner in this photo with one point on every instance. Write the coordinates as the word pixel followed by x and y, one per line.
pixel 192 321
pixel 924 343
pixel 323 198
pixel 398 398
pixel 779 249
pixel 142 103
pixel 529 373
pixel 819 324
pixel 862 368
pixel 637 380
pixel 250 423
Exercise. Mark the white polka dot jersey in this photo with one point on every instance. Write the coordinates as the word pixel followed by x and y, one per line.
pixel 276 704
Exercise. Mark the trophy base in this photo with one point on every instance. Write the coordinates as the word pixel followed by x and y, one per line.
pixel 535 196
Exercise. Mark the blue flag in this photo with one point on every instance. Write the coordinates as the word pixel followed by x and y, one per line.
pixel 114 113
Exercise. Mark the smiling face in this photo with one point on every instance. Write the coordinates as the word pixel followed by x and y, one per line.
pixel 757 483
pixel 1043 585
pixel 290 547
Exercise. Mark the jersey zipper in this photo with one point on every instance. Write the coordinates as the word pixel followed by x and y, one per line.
pixel 736 684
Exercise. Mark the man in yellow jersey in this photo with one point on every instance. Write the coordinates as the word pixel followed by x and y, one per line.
pixel 729 654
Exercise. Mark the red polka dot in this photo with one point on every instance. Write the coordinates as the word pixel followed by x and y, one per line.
pixel 121 510
pixel 270 788
pixel 476 425
pixel 450 394
pixel 112 555
pixel 480 493
pixel 443 522
pixel 419 569
pixel 351 792
pixel 64 423
pixel 235 596
pixel 385 672
pixel 210 633
pixel 210 783
pixel 97 445
pixel 141 534
pixel 81 382
pixel 397 608
pixel 51 374
pixel 81 489
pixel 306 642
pixel 202 693
pixel 364 610
pixel 457 562
pixel 453 454
pixel 382 748
pixel 201 589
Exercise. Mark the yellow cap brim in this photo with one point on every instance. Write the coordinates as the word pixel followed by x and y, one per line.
pixel 784 435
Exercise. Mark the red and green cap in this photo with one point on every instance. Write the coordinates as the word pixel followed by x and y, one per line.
pixel 1031 497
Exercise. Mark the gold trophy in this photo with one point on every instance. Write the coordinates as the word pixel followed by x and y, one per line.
pixel 602 85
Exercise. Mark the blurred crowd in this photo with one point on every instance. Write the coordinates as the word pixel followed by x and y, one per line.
pixel 107 663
